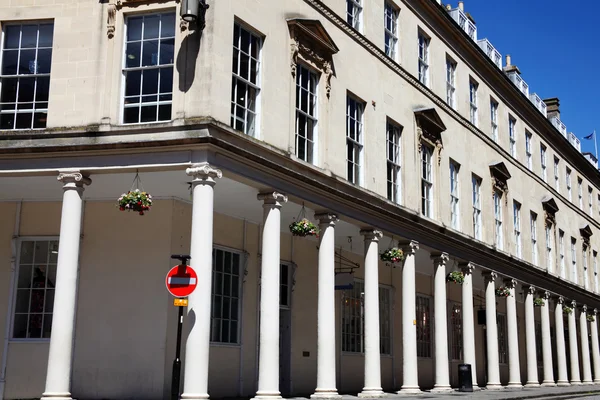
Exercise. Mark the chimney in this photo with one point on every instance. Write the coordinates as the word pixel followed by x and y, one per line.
pixel 552 105
pixel 461 5
pixel 509 67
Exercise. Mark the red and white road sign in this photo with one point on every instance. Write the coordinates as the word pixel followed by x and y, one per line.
pixel 181 280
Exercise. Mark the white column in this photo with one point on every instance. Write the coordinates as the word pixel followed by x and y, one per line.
pixel 574 354
pixel 442 370
pixel 547 342
pixel 532 368
pixel 58 377
pixel 514 368
pixel 468 321
pixel 561 354
pixel 195 381
pixel 595 347
pixel 585 346
pixel 326 384
pixel 268 357
pixel 372 386
pixel 410 373
pixel 491 331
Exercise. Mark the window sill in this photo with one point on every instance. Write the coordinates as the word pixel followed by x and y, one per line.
pixel 230 345
pixel 24 340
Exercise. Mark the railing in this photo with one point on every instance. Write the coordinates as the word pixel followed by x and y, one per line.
pixel 519 82
pixel 559 125
pixel 591 159
pixel 491 52
pixel 538 103
pixel 465 24
pixel 574 141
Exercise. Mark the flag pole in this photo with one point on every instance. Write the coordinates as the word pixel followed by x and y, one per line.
pixel 596 145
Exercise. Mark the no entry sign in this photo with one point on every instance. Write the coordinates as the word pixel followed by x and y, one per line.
pixel 181 280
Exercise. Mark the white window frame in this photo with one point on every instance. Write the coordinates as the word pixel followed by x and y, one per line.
pixel 286 284
pixel 494 119
pixel 595 261
pixel 543 160
pixel 394 161
pixel 586 280
pixel 250 128
pixel 561 249
pixel 580 192
pixel 528 154
pixel 455 195
pixel 476 201
pixel 502 338
pixel 568 179
pixel 423 56
pixel 311 89
pixel 455 323
pixel 590 201
pixel 354 11
pixel 574 260
pixel 424 321
pixel 451 82
pixel 427 183
pixel 512 136
pixel 498 234
pixel 534 244
pixel 549 247
pixel 390 25
pixel 356 142
pixel 473 87
pixel 517 228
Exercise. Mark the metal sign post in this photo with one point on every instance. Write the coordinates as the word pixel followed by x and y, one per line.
pixel 179 303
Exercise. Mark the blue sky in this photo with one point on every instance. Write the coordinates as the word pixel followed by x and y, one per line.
pixel 556 45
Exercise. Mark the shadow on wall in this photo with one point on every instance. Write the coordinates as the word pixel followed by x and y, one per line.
pixel 187 57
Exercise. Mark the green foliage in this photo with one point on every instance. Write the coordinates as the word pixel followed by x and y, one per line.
pixel 137 201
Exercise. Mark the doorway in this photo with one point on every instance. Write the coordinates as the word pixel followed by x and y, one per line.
pixel 285 329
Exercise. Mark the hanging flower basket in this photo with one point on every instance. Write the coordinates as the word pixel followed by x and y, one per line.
pixel 304 228
pixel 591 318
pixel 567 310
pixel 539 302
pixel 392 255
pixel 136 200
pixel 502 292
pixel 456 277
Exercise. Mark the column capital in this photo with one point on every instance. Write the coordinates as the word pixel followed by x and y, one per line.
pixel 573 304
pixel 410 247
pixel 530 289
pixel 274 198
pixel 74 177
pixel 559 300
pixel 326 218
pixel 371 234
pixel 204 172
pixel 584 308
pixel 440 259
pixel 510 283
pixel 467 267
pixel 545 295
pixel 595 311
pixel 489 276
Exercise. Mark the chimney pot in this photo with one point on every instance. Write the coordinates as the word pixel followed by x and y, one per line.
pixel 508 60
pixel 461 5
pixel 553 107
pixel 448 7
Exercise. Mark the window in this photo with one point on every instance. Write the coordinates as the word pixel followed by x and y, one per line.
pixel 25 75
pixel 354 13
pixel 450 82
pixel 561 249
pixel 543 161
pixel 148 68
pixel 534 245
pixel 528 150
pixel 456 348
pixel 549 247
pixel 473 101
pixel 517 228
pixel 511 136
pixel 556 177
pixel 573 260
pixel 245 92
pixel 498 218
pixel 476 185
pixel 226 289
pixel 568 179
pixel 454 195
pixel 595 256
pixel 580 192
pixel 585 267
pixel 538 343
pixel 36 280
pixel 394 162
pixel 502 339
pixel 354 138
pixel 423 59
pixel 285 285
pixel 423 326
pixel 390 15
pixel 426 181
pixel 353 319
pixel 306 113
pixel 494 119
pixel 590 201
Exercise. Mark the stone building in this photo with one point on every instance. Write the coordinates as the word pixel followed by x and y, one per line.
pixel 388 123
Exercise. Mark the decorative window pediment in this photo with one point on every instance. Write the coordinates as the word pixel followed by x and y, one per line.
pixel 586 232
pixel 312 44
pixel 429 129
pixel 550 209
pixel 500 176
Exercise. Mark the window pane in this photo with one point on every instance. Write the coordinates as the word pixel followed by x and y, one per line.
pixel 29 36
pixel 151 26
pixel 167 25
pixel 20 326
pixel 27 64
pixel 42 89
pixel 167 49
pixel 134 28
pixel 22 304
pixel 44 59
pixel 148 114
pixel 133 57
pixel 150 53
pixel 24 120
pixel 9 62
pixel 46 35
pixel 12 37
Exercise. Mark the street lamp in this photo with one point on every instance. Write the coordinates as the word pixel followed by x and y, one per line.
pixel 191 9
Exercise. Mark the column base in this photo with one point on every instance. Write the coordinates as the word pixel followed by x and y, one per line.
pixel 548 384
pixel 409 390
pixel 267 395
pixel 372 394
pixel 56 396
pixel 587 383
pixel 532 384
pixel 194 396
pixel 563 383
pixel 442 389
pixel 576 383
pixel 494 386
pixel 325 394
pixel 596 380
pixel 514 385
